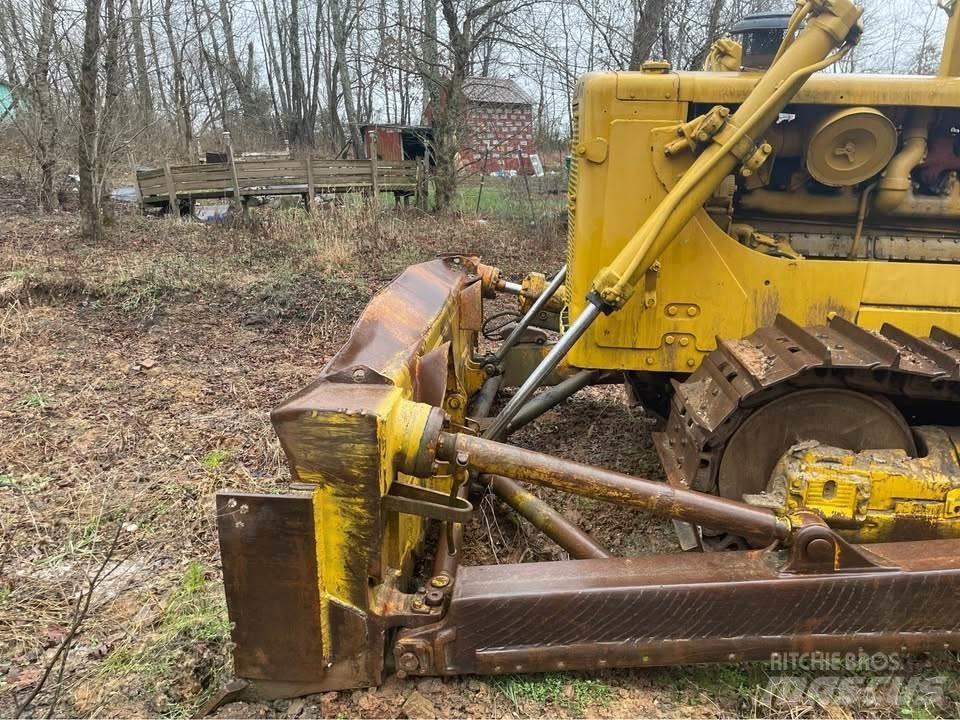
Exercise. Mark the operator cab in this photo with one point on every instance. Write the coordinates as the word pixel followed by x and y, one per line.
pixel 760 36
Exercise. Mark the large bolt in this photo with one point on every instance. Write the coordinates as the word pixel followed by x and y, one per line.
pixel 359 375
pixel 440 581
pixel 409 662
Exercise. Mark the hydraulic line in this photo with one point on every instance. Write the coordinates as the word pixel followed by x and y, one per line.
pixel 614 284
pixel 539 304
pixel 543 517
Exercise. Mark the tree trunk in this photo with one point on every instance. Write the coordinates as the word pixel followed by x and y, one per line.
pixel 112 90
pixel 47 131
pixel 238 77
pixel 145 95
pixel 87 155
pixel 645 31
pixel 298 133
pixel 181 102
pixel 449 113
pixel 429 70
pixel 339 19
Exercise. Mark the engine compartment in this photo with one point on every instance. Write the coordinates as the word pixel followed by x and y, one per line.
pixel 851 182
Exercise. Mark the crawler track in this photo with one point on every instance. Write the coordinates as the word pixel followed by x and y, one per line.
pixel 898 378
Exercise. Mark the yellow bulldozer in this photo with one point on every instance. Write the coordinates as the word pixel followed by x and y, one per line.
pixel 769 257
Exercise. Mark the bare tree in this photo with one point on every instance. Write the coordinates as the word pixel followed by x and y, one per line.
pixel 144 91
pixel 339 20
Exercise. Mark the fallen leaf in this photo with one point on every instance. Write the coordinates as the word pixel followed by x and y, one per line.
pixel 24 677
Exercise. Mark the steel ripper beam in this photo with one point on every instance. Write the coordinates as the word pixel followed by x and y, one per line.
pixel 686 608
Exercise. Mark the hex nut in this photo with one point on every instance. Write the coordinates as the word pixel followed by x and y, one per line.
pixel 408 662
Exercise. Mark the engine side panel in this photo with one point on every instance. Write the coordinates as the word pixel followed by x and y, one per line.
pixel 708 284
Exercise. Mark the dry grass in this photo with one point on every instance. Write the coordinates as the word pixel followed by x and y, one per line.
pixel 135 382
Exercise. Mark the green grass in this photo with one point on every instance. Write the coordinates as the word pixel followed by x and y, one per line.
pixel 570 692
pixel 35 400
pixel 193 617
pixel 214 459
pixel 27 485
pixel 746 691
pixel 508 198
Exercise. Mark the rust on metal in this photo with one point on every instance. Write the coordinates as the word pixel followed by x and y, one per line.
pixel 270 575
pixel 430 375
pixel 834 416
pixel 389 334
pixel 298 579
pixel 491 457
pixel 879 377
pixel 688 608
pixel 546 519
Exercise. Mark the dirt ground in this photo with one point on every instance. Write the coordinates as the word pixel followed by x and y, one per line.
pixel 136 379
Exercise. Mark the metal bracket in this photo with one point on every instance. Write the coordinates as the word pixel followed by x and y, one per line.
pixel 650 285
pixel 415 500
pixel 816 550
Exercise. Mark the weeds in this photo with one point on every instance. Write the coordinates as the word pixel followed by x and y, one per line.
pixel 573 694
pixel 180 661
pixel 35 400
pixel 214 459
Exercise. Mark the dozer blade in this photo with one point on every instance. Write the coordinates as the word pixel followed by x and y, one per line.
pixel 320 585
pixel 307 573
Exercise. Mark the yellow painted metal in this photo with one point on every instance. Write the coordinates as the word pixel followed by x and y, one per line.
pixel 706 284
pixel 355 430
pixel 850 146
pixel 342 517
pixel 837 89
pixel 730 141
pixel 875 495
pixel 950 59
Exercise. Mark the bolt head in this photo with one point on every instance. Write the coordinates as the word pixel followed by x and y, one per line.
pixel 359 375
pixel 440 581
pixel 408 662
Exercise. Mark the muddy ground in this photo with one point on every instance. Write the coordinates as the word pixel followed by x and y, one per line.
pixel 136 377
